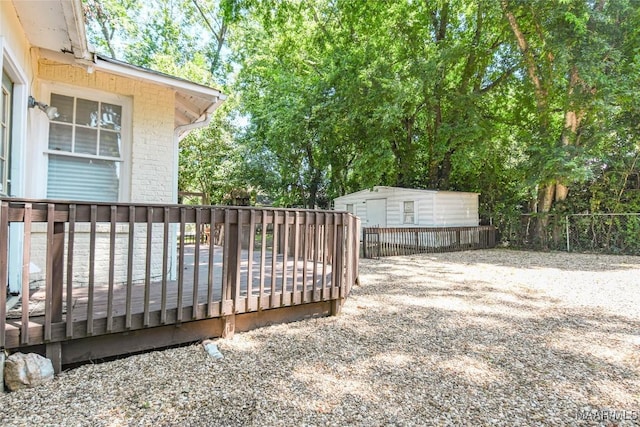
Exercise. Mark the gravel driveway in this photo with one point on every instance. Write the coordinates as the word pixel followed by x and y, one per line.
pixel 494 337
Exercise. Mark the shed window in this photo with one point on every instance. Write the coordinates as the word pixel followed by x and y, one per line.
pixel 409 213
pixel 350 208
pixel 85 149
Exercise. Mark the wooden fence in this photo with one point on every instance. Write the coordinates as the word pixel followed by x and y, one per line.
pixel 113 268
pixel 379 242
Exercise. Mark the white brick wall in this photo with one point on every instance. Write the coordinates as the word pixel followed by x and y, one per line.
pixel 151 168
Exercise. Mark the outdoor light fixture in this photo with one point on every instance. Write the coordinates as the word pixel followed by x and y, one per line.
pixel 51 112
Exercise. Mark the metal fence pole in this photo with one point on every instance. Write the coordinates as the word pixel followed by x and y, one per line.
pixel 567 219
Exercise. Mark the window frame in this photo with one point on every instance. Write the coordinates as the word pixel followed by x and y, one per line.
pixel 125 102
pixel 412 212
pixel 6 113
pixel 351 208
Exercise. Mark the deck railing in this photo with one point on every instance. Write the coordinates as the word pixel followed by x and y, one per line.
pixel 88 269
pixel 379 242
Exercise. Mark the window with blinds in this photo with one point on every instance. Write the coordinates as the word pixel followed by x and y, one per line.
pixel 85 150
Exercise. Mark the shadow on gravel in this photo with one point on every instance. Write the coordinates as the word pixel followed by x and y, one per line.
pixel 537 260
pixel 432 350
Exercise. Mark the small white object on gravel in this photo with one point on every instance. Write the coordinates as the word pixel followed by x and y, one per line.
pixel 212 349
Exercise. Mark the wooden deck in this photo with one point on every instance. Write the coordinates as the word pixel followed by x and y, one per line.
pixel 216 286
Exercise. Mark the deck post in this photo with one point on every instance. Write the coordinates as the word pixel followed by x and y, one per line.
pixel 336 306
pixel 54 350
pixel 2 357
pixel 228 326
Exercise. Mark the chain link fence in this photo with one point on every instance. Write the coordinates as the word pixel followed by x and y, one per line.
pixel 603 233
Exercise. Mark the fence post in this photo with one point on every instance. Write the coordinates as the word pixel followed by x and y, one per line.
pixel 364 242
pixel 567 225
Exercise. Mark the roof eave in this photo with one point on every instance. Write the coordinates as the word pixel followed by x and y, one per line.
pixel 185 86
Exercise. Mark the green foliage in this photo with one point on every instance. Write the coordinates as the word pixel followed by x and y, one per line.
pixel 342 95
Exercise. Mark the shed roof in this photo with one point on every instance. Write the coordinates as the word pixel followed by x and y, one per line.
pixel 387 189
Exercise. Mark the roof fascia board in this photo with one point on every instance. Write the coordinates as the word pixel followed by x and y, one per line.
pixel 74 17
pixel 180 85
pixel 177 84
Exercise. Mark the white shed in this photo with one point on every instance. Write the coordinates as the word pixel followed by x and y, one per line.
pixel 405 207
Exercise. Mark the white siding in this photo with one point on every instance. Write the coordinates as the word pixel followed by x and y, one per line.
pixel 456 209
pixel 431 208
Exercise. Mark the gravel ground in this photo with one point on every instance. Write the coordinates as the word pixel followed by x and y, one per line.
pixel 495 337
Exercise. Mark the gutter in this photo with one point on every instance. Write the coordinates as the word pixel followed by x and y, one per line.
pixel 182 131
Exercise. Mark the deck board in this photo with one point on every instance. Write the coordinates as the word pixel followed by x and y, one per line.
pixel 100 291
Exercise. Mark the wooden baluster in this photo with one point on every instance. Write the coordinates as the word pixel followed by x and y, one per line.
pixel 130 248
pixel 211 263
pixel 147 267
pixel 263 255
pixel 296 250
pixel 285 259
pixel 113 225
pixel 92 270
pixel 236 246
pixel 325 244
pixel 165 265
pixel 305 256
pixel 252 242
pixel 26 259
pixel 181 266
pixel 196 265
pixel 274 258
pixel 4 268
pixel 316 253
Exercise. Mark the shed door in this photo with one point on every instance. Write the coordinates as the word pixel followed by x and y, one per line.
pixel 377 213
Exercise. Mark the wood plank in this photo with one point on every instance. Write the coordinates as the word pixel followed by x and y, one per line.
pixel 26 259
pixel 92 269
pixel 132 215
pixel 196 259
pixel 112 263
pixel 296 251
pixel 235 261
pixel 211 266
pixel 263 255
pixel 4 276
pixel 49 274
pixel 165 264
pixel 70 258
pixel 226 280
pixel 285 260
pixel 147 265
pixel 305 255
pixel 183 215
pixel 252 242
pixel 316 252
pixel 274 258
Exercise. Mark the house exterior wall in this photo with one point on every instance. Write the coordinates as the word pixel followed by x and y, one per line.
pixel 152 155
pixel 17 60
pixel 151 165
pixel 431 208
pixel 14 41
